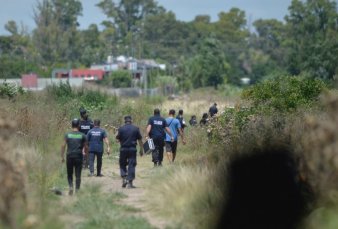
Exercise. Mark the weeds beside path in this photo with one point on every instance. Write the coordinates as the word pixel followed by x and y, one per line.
pixel 103 203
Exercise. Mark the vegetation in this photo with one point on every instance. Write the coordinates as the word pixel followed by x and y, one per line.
pixel 198 53
pixel 289 106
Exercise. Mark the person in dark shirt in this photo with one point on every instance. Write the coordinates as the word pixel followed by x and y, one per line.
pixel 85 125
pixel 77 147
pixel 128 136
pixel 156 129
pixel 193 121
pixel 213 110
pixel 181 119
pixel 95 137
pixel 205 120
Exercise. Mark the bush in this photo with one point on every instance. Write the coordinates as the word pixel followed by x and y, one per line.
pixel 119 79
pixel 62 91
pixel 92 100
pixel 284 94
pixel 8 90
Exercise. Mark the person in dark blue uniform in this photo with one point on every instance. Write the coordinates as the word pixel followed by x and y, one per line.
pixel 76 143
pixel 96 136
pixel 213 110
pixel 156 129
pixel 85 125
pixel 128 136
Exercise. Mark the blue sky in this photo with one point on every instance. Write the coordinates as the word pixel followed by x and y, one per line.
pixel 21 11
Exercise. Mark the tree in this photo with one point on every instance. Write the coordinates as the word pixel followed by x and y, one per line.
pixel 56 36
pixel 126 17
pixel 164 37
pixel 270 38
pixel 209 67
pixel 231 31
pixel 313 43
pixel 94 48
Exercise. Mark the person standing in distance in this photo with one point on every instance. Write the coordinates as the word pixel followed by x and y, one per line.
pixel 95 137
pixel 213 110
pixel 77 146
pixel 175 128
pixel 85 125
pixel 157 126
pixel 193 121
pixel 128 136
pixel 181 119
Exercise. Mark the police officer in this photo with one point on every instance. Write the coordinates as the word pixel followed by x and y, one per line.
pixel 213 110
pixel 77 147
pixel 85 125
pixel 157 126
pixel 128 136
pixel 95 137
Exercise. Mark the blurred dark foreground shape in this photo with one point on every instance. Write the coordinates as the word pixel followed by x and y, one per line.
pixel 264 191
pixel 12 182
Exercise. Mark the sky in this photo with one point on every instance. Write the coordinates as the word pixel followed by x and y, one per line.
pixel 21 11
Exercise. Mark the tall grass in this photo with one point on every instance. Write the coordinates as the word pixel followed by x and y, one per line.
pixel 186 196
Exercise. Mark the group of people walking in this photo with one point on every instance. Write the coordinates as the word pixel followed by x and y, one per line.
pixel 87 138
pixel 213 110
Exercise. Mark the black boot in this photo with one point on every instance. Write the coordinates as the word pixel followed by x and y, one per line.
pixel 124 182
pixel 130 184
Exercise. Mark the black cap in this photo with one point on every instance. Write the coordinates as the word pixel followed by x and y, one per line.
pixel 75 123
pixel 127 118
pixel 82 111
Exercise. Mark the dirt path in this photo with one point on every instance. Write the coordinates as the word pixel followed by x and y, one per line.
pixel 111 182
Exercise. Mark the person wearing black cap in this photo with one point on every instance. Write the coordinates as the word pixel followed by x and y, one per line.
pixel 128 136
pixel 156 129
pixel 77 147
pixel 85 125
pixel 96 136
pixel 181 119
pixel 213 110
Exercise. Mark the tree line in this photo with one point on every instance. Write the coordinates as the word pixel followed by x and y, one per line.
pixel 198 53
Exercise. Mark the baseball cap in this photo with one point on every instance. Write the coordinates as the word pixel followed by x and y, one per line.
pixel 127 118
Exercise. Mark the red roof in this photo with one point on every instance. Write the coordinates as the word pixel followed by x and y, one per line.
pixel 89 74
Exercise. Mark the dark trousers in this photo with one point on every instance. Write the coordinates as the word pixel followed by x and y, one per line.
pixel 157 154
pixel 128 158
pixel 74 163
pixel 98 163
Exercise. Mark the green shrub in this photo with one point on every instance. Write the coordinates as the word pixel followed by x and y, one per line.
pixel 119 79
pixel 61 91
pixel 92 100
pixel 284 94
pixel 8 90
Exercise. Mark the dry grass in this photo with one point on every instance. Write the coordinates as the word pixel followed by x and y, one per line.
pixel 12 176
pixel 320 146
pixel 186 196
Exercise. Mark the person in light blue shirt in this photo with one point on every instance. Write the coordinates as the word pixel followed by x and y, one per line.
pixel 175 129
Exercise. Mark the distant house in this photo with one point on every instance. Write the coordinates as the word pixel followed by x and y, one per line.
pixel 60 73
pixel 105 67
pixel 29 80
pixel 87 74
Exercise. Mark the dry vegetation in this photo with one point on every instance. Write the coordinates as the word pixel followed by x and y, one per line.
pixel 188 194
